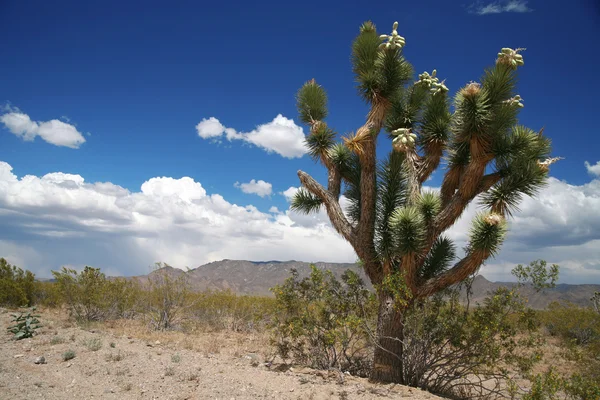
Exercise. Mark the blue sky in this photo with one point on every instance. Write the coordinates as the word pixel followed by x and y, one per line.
pixel 135 81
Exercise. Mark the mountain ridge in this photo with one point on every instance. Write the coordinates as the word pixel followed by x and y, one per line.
pixel 246 277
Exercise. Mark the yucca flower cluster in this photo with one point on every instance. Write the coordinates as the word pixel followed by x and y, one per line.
pixel 432 82
pixel 393 41
pixel 404 139
pixel 510 57
pixel 515 101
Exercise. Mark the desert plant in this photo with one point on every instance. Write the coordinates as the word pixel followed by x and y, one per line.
pixel 25 324
pixel 118 356
pixel 167 297
pixel 57 340
pixel 92 344
pixel 537 274
pixel 84 293
pixel 596 302
pixel 16 285
pixel 394 225
pixel 322 322
pixel 68 355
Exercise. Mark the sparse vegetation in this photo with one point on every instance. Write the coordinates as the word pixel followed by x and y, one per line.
pixel 114 357
pixel 449 347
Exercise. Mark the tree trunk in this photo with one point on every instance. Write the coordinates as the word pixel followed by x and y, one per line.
pixel 387 360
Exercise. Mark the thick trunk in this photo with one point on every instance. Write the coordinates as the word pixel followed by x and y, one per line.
pixel 387 360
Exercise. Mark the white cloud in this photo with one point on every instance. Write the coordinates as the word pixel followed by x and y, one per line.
pixel 560 225
pixel 59 219
pixel 593 169
pixel 260 187
pixel 497 7
pixel 289 193
pixel 55 132
pixel 281 135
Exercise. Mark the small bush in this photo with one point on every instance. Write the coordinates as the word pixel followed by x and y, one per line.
pixel 574 324
pixel 175 358
pixel 57 340
pixel 114 357
pixel 16 285
pixel 92 344
pixel 322 322
pixel 68 355
pixel 25 324
pixel 166 298
pixel 90 296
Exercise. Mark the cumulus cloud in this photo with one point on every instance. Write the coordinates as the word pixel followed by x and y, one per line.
pixel 497 7
pixel 260 187
pixel 55 132
pixel 59 219
pixel 281 135
pixel 593 169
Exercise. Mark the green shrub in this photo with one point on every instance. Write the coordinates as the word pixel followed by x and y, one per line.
pixel 92 344
pixel 47 294
pixel 225 310
pixel 572 323
pixel 449 348
pixel 25 324
pixel 90 296
pixel 166 298
pixel 16 285
pixel 68 355
pixel 322 322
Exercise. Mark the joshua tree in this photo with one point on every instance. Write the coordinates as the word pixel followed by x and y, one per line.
pixel 396 227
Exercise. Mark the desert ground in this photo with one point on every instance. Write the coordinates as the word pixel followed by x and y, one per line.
pixel 125 360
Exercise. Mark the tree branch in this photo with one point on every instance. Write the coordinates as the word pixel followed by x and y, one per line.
pixel 334 210
pixel 461 270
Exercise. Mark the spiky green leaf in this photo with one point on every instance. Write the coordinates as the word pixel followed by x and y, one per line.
pixel 305 202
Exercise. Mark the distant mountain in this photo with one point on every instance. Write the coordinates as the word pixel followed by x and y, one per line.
pixel 576 294
pixel 257 277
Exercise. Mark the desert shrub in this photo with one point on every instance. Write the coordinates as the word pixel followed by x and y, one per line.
pixel 580 325
pixel 47 294
pixel 25 324
pixel 125 297
pixel 83 293
pixel 92 344
pixel 596 302
pixel 90 296
pixel 68 355
pixel 469 353
pixel 322 322
pixel 578 329
pixel 448 347
pixel 225 310
pixel 16 285
pixel 166 298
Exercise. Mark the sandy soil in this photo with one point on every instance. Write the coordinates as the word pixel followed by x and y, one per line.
pixel 133 363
